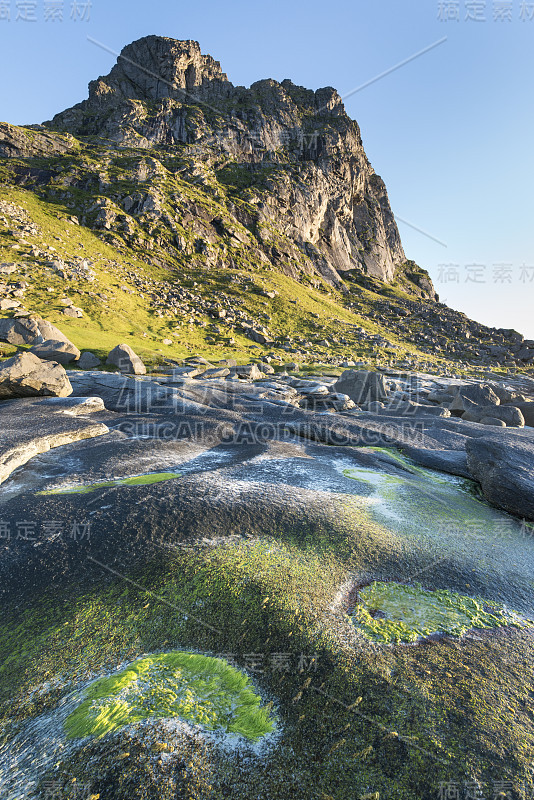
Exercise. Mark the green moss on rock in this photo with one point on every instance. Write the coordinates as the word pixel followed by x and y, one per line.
pixel 137 480
pixel 202 690
pixel 396 613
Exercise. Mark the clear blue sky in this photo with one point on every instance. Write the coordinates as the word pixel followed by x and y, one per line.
pixel 450 132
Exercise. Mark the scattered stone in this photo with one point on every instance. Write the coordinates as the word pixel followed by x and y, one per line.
pixel 126 360
pixel 88 360
pixel 73 311
pixel 8 305
pixel 249 371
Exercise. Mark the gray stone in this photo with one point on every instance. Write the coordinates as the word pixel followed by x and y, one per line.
pixel 510 415
pixel 73 311
pixel 497 423
pixel 441 395
pixel 214 372
pixel 266 369
pixel 52 350
pixel 249 371
pixel 504 467
pixel 362 386
pixel 527 409
pixel 467 397
pixel 30 330
pixel 126 360
pixel 88 360
pixel 25 375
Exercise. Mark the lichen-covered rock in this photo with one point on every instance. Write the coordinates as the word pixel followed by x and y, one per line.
pixel 25 375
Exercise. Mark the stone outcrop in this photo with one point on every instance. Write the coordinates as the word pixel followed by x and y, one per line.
pixel 362 386
pixel 505 470
pixel 31 427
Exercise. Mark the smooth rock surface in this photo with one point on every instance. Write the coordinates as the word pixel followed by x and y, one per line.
pixel 505 470
pixel 30 427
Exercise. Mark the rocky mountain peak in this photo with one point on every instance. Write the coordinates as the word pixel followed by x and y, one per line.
pixel 291 157
pixel 155 67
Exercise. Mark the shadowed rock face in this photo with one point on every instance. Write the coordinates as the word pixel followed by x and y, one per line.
pixel 335 208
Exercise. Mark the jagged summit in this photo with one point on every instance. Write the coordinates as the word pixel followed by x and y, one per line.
pixel 155 67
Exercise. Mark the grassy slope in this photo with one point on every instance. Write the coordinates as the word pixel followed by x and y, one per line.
pixel 125 317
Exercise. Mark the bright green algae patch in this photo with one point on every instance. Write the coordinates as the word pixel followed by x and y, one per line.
pixel 407 613
pixel 199 689
pixel 137 480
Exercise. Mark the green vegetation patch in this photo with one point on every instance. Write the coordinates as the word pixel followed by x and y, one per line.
pixel 202 690
pixel 137 480
pixel 395 613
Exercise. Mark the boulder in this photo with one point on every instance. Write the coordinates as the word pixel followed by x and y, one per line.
pixel 73 311
pixel 25 375
pixel 441 395
pixel 503 465
pixel 126 360
pixel 510 415
pixel 88 360
pixel 266 369
pixel 507 395
pixel 29 330
pixel 497 423
pixel 527 409
pixel 214 372
pixel 249 371
pixel 7 304
pixel 52 350
pixel 467 397
pixel 362 386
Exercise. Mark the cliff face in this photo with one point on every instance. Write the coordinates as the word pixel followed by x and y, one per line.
pixel 291 159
